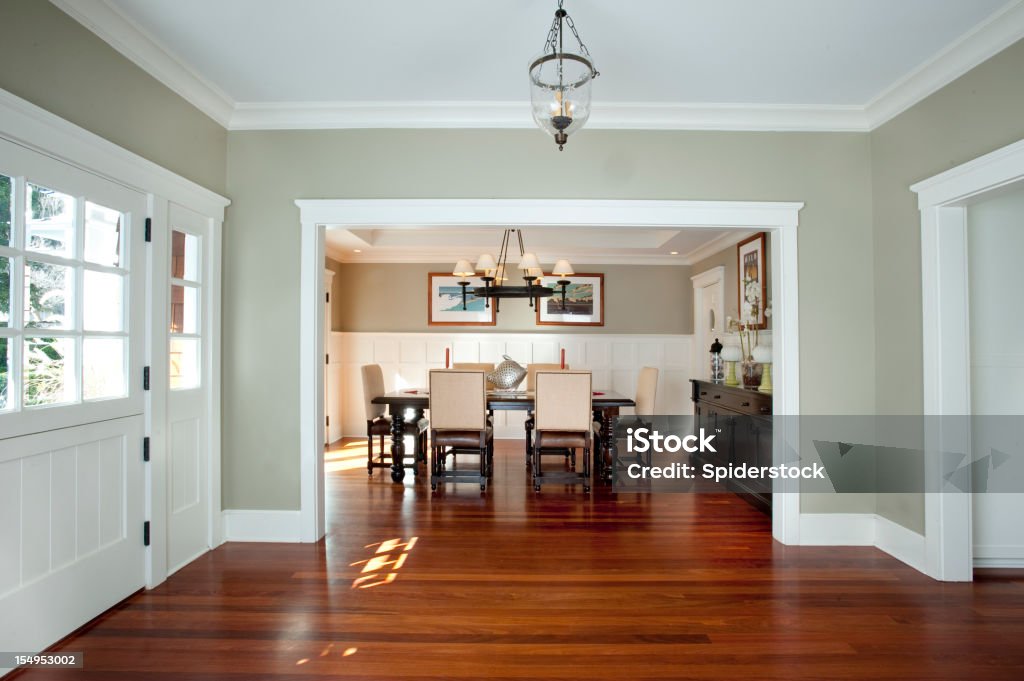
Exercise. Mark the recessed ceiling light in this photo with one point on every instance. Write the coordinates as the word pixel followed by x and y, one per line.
pixel 357 251
pixel 672 253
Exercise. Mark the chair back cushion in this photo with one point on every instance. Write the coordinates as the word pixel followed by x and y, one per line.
pixel 458 400
pixel 373 386
pixel 477 366
pixel 532 369
pixel 564 400
pixel 646 391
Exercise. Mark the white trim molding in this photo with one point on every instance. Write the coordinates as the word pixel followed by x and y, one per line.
pixel 863 529
pixel 780 219
pixel 149 54
pixel 261 526
pixel 997 32
pixel 942 201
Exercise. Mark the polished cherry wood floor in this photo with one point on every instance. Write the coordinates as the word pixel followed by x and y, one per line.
pixel 513 585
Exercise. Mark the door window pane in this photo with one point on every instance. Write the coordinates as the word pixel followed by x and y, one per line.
pixel 6 187
pixel 48 304
pixel 5 368
pixel 103 368
pixel 49 221
pixel 184 256
pixel 103 301
pixel 184 309
pixel 49 366
pixel 5 291
pixel 184 363
pixel 102 235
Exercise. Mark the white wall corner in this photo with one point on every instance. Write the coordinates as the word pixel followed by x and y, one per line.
pixel 262 526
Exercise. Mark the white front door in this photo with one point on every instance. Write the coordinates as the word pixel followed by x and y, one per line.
pixel 72 341
pixel 188 400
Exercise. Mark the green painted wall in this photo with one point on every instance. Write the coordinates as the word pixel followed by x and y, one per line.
pixel 51 60
pixel 980 112
pixel 268 170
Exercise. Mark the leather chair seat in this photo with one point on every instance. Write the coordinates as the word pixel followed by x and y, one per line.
pixel 460 438
pixel 556 439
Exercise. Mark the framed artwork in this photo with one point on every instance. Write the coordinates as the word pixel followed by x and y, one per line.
pixel 584 302
pixel 752 282
pixel 444 302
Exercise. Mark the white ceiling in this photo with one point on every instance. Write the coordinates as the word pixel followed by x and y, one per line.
pixel 783 64
pixel 580 245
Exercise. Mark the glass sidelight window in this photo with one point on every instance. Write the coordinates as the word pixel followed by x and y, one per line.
pixel 186 312
pixel 63 293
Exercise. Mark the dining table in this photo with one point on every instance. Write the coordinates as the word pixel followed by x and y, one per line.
pixel 606 405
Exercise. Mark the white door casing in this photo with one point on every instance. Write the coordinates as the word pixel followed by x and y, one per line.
pixel 946 342
pixel 779 219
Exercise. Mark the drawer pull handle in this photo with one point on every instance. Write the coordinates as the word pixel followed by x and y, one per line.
pixel 718 397
pixel 766 410
pixel 704 392
pixel 745 404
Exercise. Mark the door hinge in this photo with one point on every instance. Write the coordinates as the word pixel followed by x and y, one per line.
pixel 145 533
pixel 328 421
pixel 149 230
pixel 145 378
pixel 328 297
pixel 328 359
pixel 145 449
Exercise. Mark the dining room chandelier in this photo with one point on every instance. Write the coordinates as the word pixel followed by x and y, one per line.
pixel 560 82
pixel 496 274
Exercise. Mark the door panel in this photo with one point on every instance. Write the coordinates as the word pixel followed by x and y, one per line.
pixel 188 400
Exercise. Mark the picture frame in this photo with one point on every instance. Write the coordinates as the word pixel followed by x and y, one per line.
pixel 751 281
pixel 584 301
pixel 444 302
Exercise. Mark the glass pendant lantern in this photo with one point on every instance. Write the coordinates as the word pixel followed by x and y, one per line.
pixel 560 82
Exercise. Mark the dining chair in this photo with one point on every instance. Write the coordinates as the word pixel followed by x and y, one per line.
pixel 378 422
pixel 485 367
pixel 563 419
pixel 646 393
pixel 531 374
pixel 458 424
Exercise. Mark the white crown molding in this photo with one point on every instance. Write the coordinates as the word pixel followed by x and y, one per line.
pixel 135 43
pixel 714 246
pixel 981 43
pixel 408 257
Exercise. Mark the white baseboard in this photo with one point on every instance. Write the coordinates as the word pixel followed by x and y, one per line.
pixel 999 556
pixel 262 526
pixel 900 543
pixel 863 529
pixel 837 529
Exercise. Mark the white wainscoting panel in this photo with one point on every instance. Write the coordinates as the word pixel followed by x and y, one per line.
pixel 615 361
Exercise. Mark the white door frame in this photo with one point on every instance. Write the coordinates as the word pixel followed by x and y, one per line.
pixel 943 202
pixel 780 219
pixel 715 275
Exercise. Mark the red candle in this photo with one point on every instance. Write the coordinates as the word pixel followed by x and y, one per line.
pixel 563 358
pixel 447 357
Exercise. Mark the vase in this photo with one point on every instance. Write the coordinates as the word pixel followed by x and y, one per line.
pixel 751 372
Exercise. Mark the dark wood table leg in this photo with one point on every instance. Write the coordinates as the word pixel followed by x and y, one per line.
pixel 421 456
pixel 398 444
pixel 608 445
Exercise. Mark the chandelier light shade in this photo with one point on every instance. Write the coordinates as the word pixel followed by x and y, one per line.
pixel 496 271
pixel 560 82
pixel 562 268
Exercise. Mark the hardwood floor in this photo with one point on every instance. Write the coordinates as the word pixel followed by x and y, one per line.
pixel 512 585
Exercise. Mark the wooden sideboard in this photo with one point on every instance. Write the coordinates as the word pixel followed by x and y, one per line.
pixel 718 409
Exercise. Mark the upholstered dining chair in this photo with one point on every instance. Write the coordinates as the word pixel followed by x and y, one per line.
pixel 646 393
pixel 531 374
pixel 563 419
pixel 378 422
pixel 485 367
pixel 458 423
